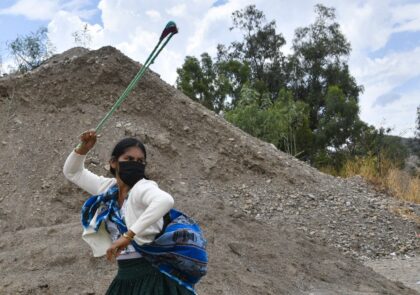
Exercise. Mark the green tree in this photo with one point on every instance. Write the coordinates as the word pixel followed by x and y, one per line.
pixel 292 118
pixel 197 80
pixel 248 115
pixel 283 122
pixel 417 131
pixel 31 50
pixel 336 122
pixel 256 60
pixel 260 49
pixel 363 140
pixel 212 83
pixel 320 61
pixel 394 150
pixel 232 75
pixel 305 103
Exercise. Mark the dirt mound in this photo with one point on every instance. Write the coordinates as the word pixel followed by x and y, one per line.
pixel 271 220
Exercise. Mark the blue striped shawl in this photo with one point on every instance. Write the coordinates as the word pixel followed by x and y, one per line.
pixel 179 251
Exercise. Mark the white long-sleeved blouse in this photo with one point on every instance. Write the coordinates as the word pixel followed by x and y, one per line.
pixel 145 208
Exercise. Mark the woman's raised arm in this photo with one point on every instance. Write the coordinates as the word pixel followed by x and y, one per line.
pixel 75 171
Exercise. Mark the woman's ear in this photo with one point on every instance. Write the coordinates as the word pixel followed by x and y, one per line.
pixel 113 163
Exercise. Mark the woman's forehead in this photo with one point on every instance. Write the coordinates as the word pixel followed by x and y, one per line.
pixel 134 151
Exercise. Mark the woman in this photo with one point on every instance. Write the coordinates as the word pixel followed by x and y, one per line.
pixel 139 202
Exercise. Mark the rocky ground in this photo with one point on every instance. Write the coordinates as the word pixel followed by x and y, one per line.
pixel 405 269
pixel 274 224
pixel 346 213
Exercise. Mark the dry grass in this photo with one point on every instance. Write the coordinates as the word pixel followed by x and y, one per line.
pixel 365 166
pixel 328 170
pixel 406 213
pixel 386 176
pixel 403 185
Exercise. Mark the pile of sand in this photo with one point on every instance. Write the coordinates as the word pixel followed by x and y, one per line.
pixel 230 182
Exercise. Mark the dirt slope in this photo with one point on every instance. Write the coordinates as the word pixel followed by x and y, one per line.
pixel 274 224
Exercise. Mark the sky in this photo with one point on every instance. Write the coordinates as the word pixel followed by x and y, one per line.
pixel 384 35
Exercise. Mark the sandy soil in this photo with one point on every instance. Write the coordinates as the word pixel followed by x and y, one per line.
pixel 274 224
pixel 403 269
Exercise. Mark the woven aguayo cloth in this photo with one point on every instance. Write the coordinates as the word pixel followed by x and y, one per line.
pixel 138 277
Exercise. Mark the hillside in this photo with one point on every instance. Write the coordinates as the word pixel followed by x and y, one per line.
pixel 274 224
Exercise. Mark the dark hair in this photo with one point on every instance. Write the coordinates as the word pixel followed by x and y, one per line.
pixel 122 146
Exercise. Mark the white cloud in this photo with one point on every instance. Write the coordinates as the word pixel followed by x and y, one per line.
pixel 121 17
pixel 7 65
pixel 47 9
pixel 386 99
pixel 154 15
pixel 33 9
pixel 139 39
pixel 399 115
pixel 64 24
pixel 380 77
pixel 61 28
pixel 391 70
pixel 177 10
pixel 366 25
pixel 213 28
pixel 407 17
pixel 73 5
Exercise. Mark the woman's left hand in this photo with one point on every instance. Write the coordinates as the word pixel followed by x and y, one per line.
pixel 116 248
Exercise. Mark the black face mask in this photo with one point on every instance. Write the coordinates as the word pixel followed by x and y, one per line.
pixel 130 172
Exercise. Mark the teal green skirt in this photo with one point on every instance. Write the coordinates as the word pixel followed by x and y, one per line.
pixel 138 277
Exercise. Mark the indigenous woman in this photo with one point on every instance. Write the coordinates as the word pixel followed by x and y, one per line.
pixel 127 201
